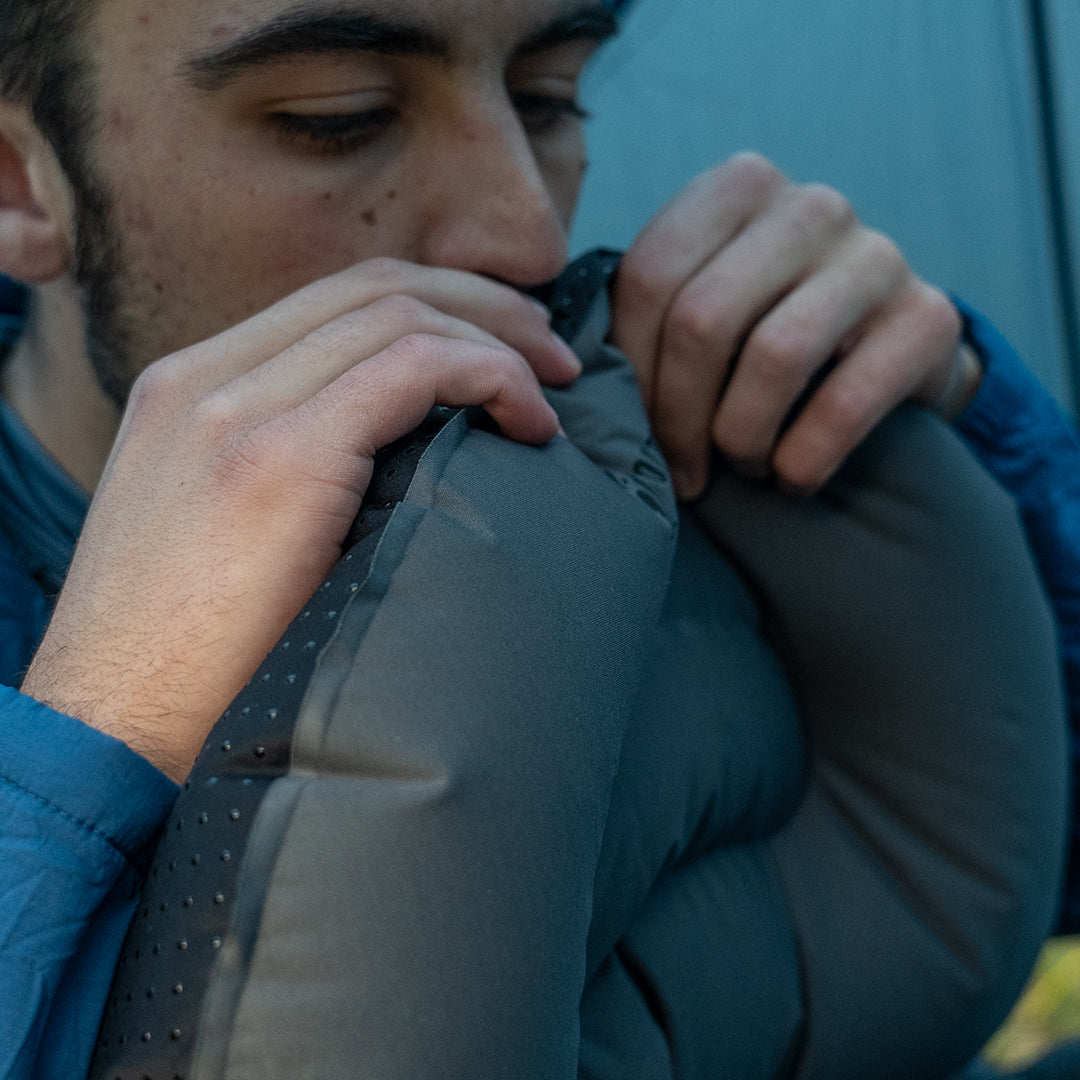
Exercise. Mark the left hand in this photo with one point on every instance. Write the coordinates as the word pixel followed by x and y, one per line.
pixel 742 289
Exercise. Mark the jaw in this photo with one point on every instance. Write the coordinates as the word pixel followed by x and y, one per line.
pixel 49 381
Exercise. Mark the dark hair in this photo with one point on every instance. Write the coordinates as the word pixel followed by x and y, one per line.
pixel 43 65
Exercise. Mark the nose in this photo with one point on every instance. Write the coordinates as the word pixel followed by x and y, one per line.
pixel 489 207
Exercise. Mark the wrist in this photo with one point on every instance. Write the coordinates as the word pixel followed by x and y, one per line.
pixel 98 700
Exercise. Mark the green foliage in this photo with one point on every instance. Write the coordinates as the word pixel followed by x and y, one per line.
pixel 1047 1014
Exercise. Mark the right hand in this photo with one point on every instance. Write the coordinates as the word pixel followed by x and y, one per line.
pixel 238 468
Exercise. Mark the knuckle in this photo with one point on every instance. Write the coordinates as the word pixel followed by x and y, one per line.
pixel 419 350
pixel 637 282
pixel 883 252
pixel 494 376
pixel 429 354
pixel 159 391
pixel 699 324
pixel 327 336
pixel 846 409
pixel 780 353
pixel 216 418
pixel 512 368
pixel 938 312
pixel 504 383
pixel 156 381
pixel 753 173
pixel 819 204
pixel 401 309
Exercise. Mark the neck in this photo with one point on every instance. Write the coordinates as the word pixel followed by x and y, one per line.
pixel 49 381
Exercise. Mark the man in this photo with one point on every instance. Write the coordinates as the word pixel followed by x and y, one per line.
pixel 144 302
pixel 258 193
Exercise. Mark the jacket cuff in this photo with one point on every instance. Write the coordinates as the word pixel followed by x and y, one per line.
pixel 82 774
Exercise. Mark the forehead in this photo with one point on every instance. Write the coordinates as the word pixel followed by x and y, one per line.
pixel 180 32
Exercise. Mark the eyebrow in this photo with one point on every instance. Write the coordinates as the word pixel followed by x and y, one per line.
pixel 593 22
pixel 311 31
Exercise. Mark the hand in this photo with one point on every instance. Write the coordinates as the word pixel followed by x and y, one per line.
pixel 238 469
pixel 746 286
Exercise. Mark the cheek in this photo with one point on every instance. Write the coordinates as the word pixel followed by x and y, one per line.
pixel 298 239
pixel 139 217
pixel 231 229
pixel 220 260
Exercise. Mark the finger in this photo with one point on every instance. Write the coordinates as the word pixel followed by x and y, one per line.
pixel 385 397
pixel 503 312
pixel 716 312
pixel 959 390
pixel 947 386
pixel 886 366
pixel 805 330
pixel 683 237
pixel 323 355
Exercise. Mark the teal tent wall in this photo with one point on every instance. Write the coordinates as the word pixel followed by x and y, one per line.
pixel 953 125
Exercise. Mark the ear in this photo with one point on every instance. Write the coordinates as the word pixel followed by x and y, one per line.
pixel 36 234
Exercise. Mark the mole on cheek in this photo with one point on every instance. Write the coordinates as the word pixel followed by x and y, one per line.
pixel 369 217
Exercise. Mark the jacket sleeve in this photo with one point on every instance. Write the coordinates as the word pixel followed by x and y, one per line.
pixel 1030 446
pixel 76 808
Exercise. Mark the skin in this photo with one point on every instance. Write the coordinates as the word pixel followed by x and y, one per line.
pixel 241 459
pixel 740 291
pixel 312 296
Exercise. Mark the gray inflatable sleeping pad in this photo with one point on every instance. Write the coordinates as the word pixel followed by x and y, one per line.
pixel 551 779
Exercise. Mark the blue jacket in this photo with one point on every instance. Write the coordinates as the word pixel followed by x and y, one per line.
pixel 78 808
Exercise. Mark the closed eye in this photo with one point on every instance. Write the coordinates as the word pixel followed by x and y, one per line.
pixel 334 133
pixel 540 113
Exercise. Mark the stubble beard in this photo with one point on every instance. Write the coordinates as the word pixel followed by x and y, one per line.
pixel 99 273
pixel 110 335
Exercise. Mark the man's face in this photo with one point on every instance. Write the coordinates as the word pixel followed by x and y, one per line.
pixel 244 148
